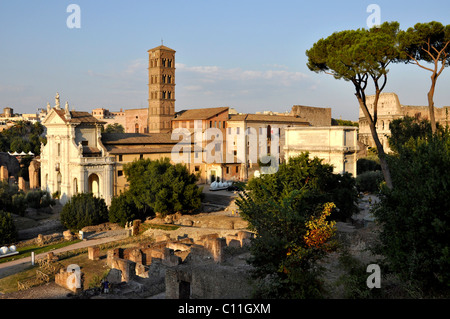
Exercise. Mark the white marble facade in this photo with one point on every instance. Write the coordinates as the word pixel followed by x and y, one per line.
pixel 74 159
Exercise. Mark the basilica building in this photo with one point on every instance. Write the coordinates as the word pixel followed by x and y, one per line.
pixel 74 159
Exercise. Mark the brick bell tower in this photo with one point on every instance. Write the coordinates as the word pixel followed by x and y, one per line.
pixel 161 89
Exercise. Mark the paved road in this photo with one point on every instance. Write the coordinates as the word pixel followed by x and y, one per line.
pixel 15 266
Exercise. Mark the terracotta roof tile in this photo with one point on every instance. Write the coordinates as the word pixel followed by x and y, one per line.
pixel 136 138
pixel 199 114
pixel 78 117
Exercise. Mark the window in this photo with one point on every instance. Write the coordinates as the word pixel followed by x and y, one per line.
pixel 197 168
pixel 120 158
pixel 119 173
pixel 220 124
pixel 136 128
pixel 228 170
pixel 59 149
pixel 210 124
pixel 237 130
pixel 141 156
pixel 237 169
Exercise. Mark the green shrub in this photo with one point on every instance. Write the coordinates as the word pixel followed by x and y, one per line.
pixel 160 187
pixel 8 233
pixel 367 164
pixel 38 199
pixel 369 181
pixel 415 214
pixel 278 208
pixel 123 210
pixel 84 210
pixel 19 203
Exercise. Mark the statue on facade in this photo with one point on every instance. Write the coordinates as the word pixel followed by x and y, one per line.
pixel 48 108
pixel 80 149
pixel 57 102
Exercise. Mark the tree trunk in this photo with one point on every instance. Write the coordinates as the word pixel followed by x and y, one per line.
pixel 381 154
pixel 431 103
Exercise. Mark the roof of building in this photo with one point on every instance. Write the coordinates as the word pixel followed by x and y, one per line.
pixel 138 150
pixel 78 117
pixel 137 138
pixel 199 114
pixel 161 47
pixel 267 118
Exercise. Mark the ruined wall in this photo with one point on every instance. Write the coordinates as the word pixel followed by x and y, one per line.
pixel 316 116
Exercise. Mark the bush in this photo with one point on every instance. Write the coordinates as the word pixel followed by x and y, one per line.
pixel 84 210
pixel 369 181
pixel 38 199
pixel 8 233
pixel 367 164
pixel 290 211
pixel 161 187
pixel 415 214
pixel 123 210
pixel 19 203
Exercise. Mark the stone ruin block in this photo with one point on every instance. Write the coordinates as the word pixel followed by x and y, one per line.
pixel 72 281
pixel 127 267
pixel 68 236
pixel 215 246
pixel 52 257
pixel 113 253
pixel 94 253
pixel 142 271
pixel 165 237
pixel 22 184
pixel 245 237
pixel 114 276
pixel 135 228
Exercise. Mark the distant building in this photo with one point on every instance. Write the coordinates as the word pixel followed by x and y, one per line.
pixel 389 109
pixel 8 118
pixel 109 117
pixel 336 145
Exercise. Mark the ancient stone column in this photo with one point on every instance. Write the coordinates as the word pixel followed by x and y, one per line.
pixel 4 173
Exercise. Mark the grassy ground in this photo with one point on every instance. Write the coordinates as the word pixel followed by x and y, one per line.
pixel 27 250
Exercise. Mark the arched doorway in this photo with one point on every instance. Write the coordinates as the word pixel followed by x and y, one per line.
pixel 59 181
pixel 75 186
pixel 94 185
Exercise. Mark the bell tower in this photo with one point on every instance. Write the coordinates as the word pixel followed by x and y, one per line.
pixel 161 89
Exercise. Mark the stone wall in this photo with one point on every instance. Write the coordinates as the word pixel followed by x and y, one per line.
pixel 316 116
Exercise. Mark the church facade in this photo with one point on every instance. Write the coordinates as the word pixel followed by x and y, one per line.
pixel 74 160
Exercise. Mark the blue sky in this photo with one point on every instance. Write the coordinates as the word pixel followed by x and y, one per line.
pixel 245 54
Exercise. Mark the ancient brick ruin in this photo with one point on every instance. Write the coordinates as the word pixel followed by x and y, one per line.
pixel 184 267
